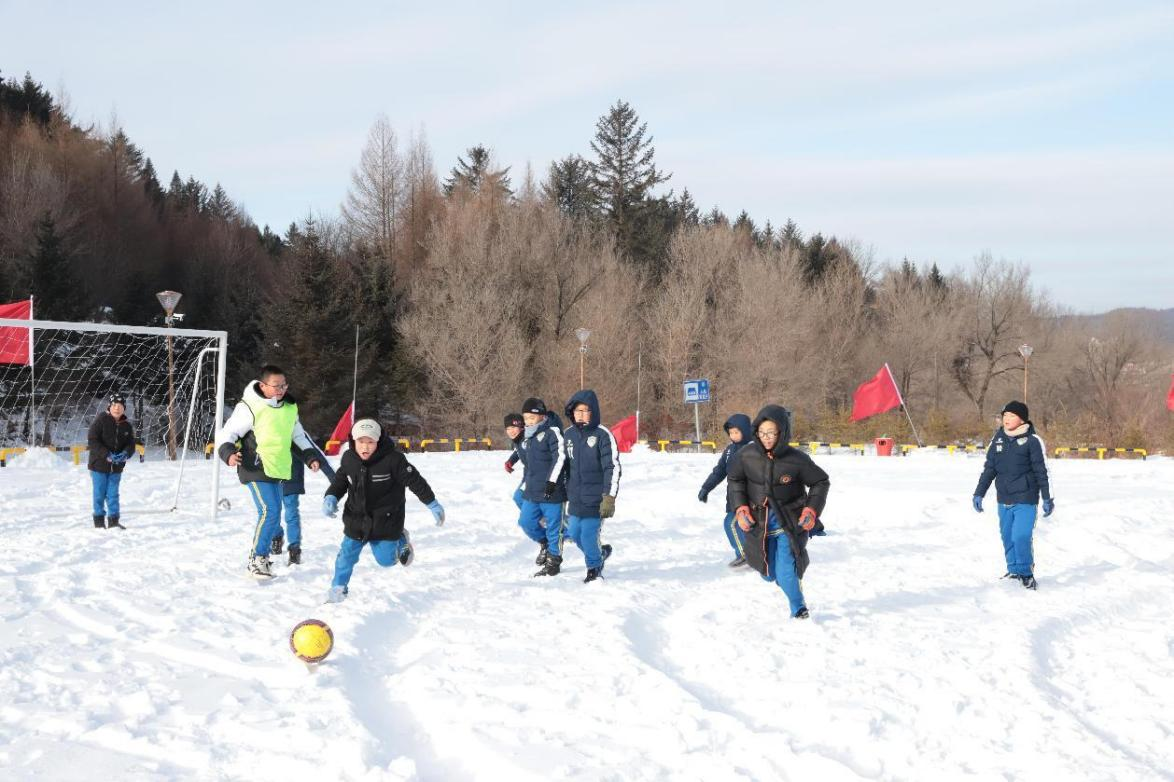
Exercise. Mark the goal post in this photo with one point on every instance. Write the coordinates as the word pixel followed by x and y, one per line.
pixel 172 379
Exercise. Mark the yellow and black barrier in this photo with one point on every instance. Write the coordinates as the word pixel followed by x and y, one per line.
pixel 663 444
pixel 1100 452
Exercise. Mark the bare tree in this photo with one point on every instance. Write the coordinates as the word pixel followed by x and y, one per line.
pixel 373 203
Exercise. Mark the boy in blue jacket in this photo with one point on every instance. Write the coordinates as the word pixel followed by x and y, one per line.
pixel 543 485
pixel 737 427
pixel 1016 463
pixel 593 479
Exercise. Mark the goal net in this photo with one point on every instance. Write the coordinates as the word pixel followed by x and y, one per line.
pixel 55 377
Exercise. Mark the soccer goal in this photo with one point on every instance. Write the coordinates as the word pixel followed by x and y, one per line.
pixel 55 377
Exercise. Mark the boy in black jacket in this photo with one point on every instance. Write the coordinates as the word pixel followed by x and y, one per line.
pixel 1016 463
pixel 738 428
pixel 373 475
pixel 111 440
pixel 779 493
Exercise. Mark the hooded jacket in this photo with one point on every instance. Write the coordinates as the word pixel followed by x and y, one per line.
pixel 592 457
pixel 374 490
pixel 542 455
pixel 783 480
pixel 1017 466
pixel 238 433
pixel 741 422
pixel 109 436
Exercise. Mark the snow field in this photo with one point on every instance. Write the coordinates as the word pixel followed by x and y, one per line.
pixel 148 654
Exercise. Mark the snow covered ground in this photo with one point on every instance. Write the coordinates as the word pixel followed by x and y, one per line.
pixel 147 654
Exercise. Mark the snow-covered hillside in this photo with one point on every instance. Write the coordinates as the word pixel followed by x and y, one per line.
pixel 148 654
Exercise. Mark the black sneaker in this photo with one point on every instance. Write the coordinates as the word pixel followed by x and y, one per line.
pixel 278 543
pixel 100 522
pixel 295 554
pixel 406 552
pixel 112 522
pixel 1028 581
pixel 593 574
pixel 552 566
pixel 605 549
pixel 736 562
pixel 543 549
pixel 802 613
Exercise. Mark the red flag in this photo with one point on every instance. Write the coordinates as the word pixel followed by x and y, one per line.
pixel 14 341
pixel 876 396
pixel 342 430
pixel 625 433
pixel 1170 395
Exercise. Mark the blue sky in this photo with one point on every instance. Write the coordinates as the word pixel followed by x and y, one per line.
pixel 1041 132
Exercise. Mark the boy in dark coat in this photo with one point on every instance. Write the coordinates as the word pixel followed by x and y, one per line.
pixel 543 485
pixel 515 427
pixel 373 475
pixel 779 493
pixel 1016 463
pixel 111 440
pixel 738 429
pixel 593 479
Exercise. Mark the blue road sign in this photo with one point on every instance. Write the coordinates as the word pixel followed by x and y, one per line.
pixel 696 391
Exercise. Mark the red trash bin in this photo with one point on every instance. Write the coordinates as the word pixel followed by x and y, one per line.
pixel 884 446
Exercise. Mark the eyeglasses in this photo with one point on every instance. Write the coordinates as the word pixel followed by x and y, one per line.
pixel 764 433
pixel 278 386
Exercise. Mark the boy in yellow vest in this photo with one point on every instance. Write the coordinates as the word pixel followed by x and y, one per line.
pixel 259 439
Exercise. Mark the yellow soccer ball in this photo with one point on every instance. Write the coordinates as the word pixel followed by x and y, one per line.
pixel 311 640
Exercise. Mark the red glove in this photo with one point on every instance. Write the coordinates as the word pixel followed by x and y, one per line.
pixel 807 519
pixel 509 467
pixel 745 520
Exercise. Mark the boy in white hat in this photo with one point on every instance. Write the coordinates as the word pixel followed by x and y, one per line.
pixel 373 475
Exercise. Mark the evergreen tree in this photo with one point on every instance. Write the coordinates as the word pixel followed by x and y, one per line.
pixel 816 259
pixel 150 182
pixel 936 280
pixel 195 195
pixel 386 376
pixel 27 99
pixel 476 176
pixel 176 195
pixel 273 244
pixel 766 237
pixel 791 236
pixel 715 216
pixel 623 175
pixel 219 206
pixel 744 224
pixel 685 210
pixel 51 277
pixel 568 186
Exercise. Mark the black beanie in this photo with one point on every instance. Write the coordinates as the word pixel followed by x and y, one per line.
pixel 1018 408
pixel 534 405
pixel 514 419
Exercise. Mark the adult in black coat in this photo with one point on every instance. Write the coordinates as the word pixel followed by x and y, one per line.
pixel 373 476
pixel 111 441
pixel 779 493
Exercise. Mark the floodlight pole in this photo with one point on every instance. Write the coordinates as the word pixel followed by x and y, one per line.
pixel 1025 351
pixel 168 300
pixel 582 334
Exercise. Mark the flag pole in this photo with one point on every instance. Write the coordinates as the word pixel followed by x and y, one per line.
pixel 32 382
pixel 904 406
pixel 355 380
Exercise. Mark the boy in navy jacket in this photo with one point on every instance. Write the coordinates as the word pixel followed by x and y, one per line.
pixel 738 429
pixel 1016 463
pixel 593 479
pixel 543 485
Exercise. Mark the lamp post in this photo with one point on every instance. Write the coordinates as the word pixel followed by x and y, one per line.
pixel 582 334
pixel 1025 351
pixel 168 299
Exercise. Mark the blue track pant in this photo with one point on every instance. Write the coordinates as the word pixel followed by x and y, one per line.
pixel 530 521
pixel 267 497
pixel 584 530
pixel 105 492
pixel 386 553
pixel 293 520
pixel 1016 524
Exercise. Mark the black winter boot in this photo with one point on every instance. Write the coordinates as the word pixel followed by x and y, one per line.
pixel 592 574
pixel 278 543
pixel 1028 581
pixel 112 522
pixel 552 566
pixel 542 549
pixel 100 522
pixel 295 554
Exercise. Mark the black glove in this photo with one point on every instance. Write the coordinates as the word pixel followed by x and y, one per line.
pixel 550 487
pixel 703 495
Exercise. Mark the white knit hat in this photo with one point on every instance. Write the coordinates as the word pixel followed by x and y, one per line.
pixel 366 427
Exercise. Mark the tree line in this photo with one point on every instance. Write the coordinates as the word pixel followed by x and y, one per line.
pixel 467 289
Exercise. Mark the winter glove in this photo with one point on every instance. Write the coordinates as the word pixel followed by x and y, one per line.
pixel 550 487
pixel 117 458
pixel 1049 506
pixel 607 507
pixel 330 506
pixel 509 467
pixel 978 503
pixel 807 519
pixel 745 520
pixel 703 495
pixel 437 512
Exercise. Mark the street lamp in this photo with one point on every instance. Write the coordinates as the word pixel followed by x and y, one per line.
pixel 582 334
pixel 1025 351
pixel 168 299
